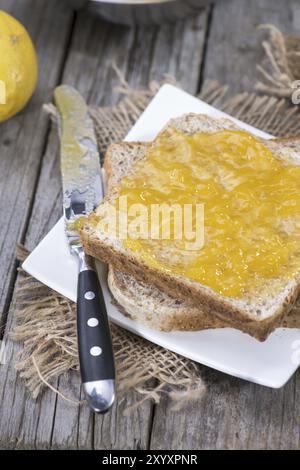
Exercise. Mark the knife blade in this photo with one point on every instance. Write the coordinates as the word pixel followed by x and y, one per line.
pixel 82 191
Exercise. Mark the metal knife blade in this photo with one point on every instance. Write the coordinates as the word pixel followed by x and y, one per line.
pixel 80 162
pixel 82 191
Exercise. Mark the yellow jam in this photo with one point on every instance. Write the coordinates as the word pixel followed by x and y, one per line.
pixel 251 208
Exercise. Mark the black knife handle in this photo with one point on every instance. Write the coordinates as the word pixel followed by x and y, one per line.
pixel 94 339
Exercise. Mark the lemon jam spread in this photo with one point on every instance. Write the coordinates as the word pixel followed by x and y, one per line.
pixel 251 207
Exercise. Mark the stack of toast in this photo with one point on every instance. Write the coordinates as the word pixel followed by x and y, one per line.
pixel 166 300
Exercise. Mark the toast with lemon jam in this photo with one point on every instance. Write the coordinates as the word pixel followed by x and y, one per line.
pixel 247 273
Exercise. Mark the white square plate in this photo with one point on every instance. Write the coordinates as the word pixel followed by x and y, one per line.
pixel 270 363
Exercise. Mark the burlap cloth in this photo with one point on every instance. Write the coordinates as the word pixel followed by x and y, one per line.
pixel 46 321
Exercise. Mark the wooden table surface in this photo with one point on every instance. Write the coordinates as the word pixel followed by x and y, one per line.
pixel 221 43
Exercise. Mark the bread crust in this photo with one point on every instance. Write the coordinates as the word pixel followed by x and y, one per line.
pixel 224 311
pixel 152 307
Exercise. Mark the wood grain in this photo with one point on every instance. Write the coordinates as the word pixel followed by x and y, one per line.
pixel 24 422
pixel 115 430
pixel 141 55
pixel 88 67
pixel 23 137
pixel 235 414
pixel 234 42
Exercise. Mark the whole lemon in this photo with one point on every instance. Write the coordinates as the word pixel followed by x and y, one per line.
pixel 18 66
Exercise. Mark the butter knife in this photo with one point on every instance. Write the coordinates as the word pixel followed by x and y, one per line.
pixel 82 191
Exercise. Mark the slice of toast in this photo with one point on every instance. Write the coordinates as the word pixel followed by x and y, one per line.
pixel 257 318
pixel 147 304
pixel 156 309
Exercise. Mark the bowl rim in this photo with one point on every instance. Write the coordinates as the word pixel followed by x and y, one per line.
pixel 133 2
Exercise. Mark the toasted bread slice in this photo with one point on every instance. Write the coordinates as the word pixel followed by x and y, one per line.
pixel 156 309
pixel 257 317
pixel 148 305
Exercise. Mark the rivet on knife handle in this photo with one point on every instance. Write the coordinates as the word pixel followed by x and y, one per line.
pixel 82 192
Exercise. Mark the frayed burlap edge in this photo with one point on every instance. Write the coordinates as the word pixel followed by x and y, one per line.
pixel 46 321
pixel 46 325
pixel 281 66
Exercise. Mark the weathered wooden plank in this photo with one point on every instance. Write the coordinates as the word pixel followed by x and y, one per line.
pixel 118 431
pixel 22 138
pixel 22 419
pixel 87 67
pixel 21 146
pixel 178 51
pixel 141 54
pixel 171 49
pixel 234 45
pixel 235 414
pixel 95 45
pixel 25 423
pixel 73 425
